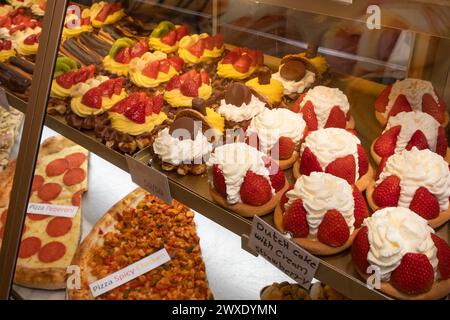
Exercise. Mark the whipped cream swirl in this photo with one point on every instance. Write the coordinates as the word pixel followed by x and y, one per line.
pixel 292 86
pixel 241 113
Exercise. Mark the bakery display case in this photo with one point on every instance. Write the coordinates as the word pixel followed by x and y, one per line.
pixel 328 120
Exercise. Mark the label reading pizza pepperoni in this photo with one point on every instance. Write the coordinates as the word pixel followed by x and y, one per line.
pixel 47 209
pixel 52 251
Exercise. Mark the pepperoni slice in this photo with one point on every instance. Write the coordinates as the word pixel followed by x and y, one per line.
pixel 36 217
pixel 76 198
pixel 38 181
pixel 49 191
pixel 29 247
pixel 3 218
pixel 74 176
pixel 59 226
pixel 52 251
pixel 75 160
pixel 56 167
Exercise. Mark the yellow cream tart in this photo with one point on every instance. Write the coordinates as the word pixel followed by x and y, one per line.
pixel 6 50
pixel 74 25
pixel 123 51
pixel 240 63
pixel 267 86
pixel 166 37
pixel 200 48
pixel 103 13
pixel 62 85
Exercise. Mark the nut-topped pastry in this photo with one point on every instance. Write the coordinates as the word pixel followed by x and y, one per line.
pixel 67 75
pixel 277 133
pixel 122 52
pixel 245 180
pixel 240 63
pixel 77 21
pixel 6 50
pixel 183 146
pixel 336 151
pixel 198 48
pixel 106 13
pixel 410 129
pixel 154 68
pixel 132 121
pixel 324 107
pixel 322 212
pixel 413 262
pixel 181 90
pixel 166 36
pixel 414 179
pixel 410 95
pixel 267 86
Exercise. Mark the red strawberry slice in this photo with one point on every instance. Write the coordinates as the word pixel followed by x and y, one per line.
pixel 151 70
pixel 387 193
pixel 230 58
pixel 336 119
pixel 344 168
pixel 296 106
pixel 418 140
pixel 443 255
pixel 401 104
pixel 255 189
pixel 219 181
pixel 118 85
pixel 425 204
pixel 383 99
pixel 209 43
pixel 123 56
pixel 414 275
pixel 294 220
pixel 174 83
pixel 218 41
pixel 30 40
pixel 360 249
pixel 360 210
pixel 381 167
pixel 107 88
pixel 433 108
pixel 170 38
pixel 104 12
pixel 66 80
pixel 204 77
pixel 385 144
pixel 93 98
pixel 283 149
pixel 363 162
pixel 309 115
pixel 242 64
pixel 278 180
pixel 164 66
pixel 138 49
pixel 309 162
pixel 284 199
pixel 182 31
pixel 441 144
pixel 136 113
pixel 198 48
pixel 190 74
pixel 158 102
pixel 189 88
pixel 333 229
pixel 177 63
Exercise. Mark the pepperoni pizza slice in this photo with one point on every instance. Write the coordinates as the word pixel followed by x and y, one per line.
pixel 49 242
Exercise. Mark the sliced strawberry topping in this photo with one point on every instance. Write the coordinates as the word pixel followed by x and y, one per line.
pixel 218 41
pixel 401 104
pixel 418 140
pixel 278 180
pixel 387 193
pixel 205 77
pixel 84 74
pixel 433 108
pixel 443 255
pixel 182 31
pixel 294 220
pixel 164 66
pixel 189 88
pixel 231 57
pixel 383 99
pixel 138 49
pixel 66 80
pixel 360 211
pixel 309 115
pixel 296 106
pixel 209 43
pixel 136 113
pixel 219 181
pixel 93 98
pixel 118 85
pixel 107 88
pixel 174 83
pixel 333 229
pixel 414 275
pixel 309 162
pixel 151 70
pixel 441 144
pixel 31 39
pixel 385 144
pixel 336 119
pixel 176 62
pixel 170 38
pixel 363 162
pixel 344 168
pixel 360 249
pixel 242 64
pixel 198 48
pixel 425 204
pixel 255 189
pixel 123 56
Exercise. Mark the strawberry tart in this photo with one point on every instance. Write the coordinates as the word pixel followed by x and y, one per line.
pixel 278 134
pixel 38 7
pixel 410 129
pixel 322 213
pixel 77 21
pixel 63 82
pixel 122 52
pixel 181 90
pixel 245 180
pixel 131 122
pixel 183 147
pixel 103 13
pixel 414 179
pixel 166 36
pixel 21 3
pixel 198 48
pixel 240 63
pixel 26 42
pixel 410 95
pixel 336 151
pixel 12 21
pixel 6 50
pixel 269 88
pixel 413 262
pixel 154 68
pixel 324 107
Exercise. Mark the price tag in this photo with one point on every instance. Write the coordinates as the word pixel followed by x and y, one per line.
pixel 284 254
pixel 52 210
pixel 150 179
pixel 3 99
pixel 129 273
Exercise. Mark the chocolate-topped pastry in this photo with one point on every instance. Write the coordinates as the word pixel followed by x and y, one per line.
pixel 237 94
pixel 199 105
pixel 264 75
pixel 293 70
pixel 185 123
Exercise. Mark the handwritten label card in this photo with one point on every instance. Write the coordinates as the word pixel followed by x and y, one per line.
pixel 284 254
pixel 150 179
pixel 129 273
pixel 52 210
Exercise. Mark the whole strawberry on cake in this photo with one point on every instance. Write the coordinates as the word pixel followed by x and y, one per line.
pixel 322 213
pixel 166 36
pixel 122 52
pixel 414 263
pixel 244 180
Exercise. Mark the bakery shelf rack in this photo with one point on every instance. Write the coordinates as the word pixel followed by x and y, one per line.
pixel 337 270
